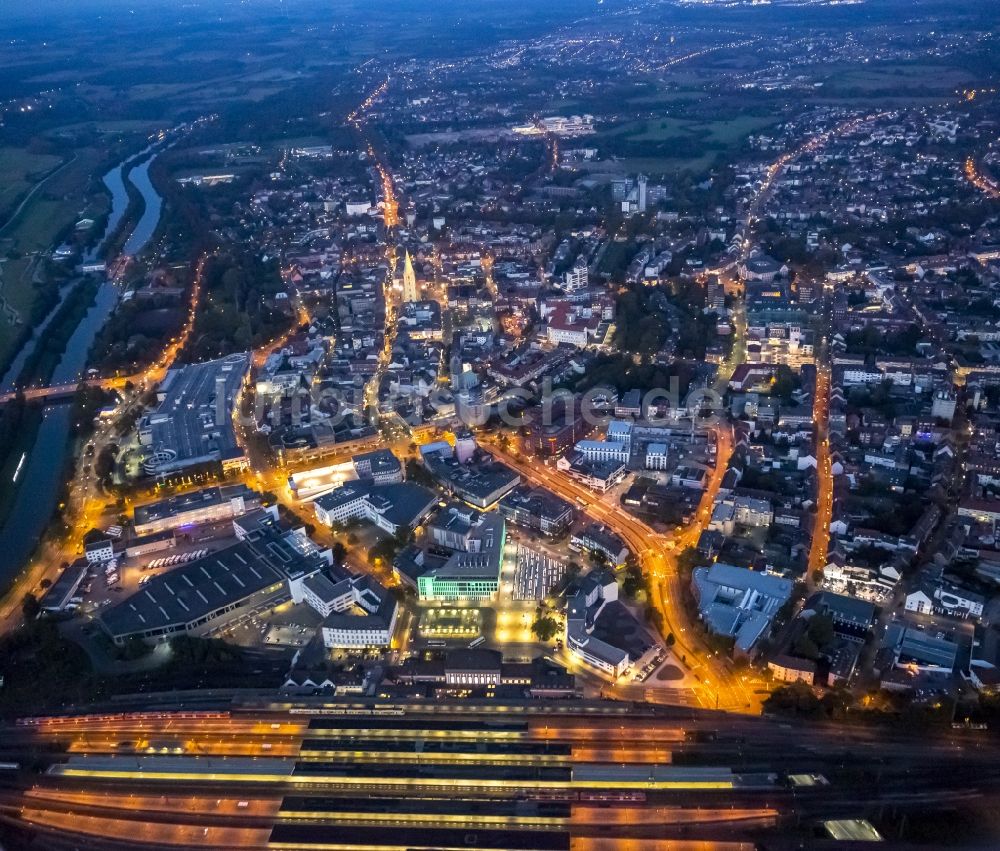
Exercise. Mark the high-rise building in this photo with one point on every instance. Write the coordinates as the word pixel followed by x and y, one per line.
pixel 578 277
pixel 642 193
pixel 409 280
pixel 470 402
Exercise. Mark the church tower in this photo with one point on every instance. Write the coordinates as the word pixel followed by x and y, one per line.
pixel 409 280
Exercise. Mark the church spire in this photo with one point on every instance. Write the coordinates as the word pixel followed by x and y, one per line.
pixel 409 280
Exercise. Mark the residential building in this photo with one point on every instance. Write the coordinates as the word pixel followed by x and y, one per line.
pixel 789 669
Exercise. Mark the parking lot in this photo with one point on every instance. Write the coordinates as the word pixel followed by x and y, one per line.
pixel 536 574
pixel 286 625
pixel 108 584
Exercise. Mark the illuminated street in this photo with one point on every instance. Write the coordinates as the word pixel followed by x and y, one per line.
pixel 522 426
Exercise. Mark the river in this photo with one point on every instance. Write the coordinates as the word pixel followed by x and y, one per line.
pixel 41 474
pixel 114 180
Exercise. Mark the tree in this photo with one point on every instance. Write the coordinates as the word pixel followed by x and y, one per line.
pixel 30 607
pixel 104 466
pixel 339 552
pixel 545 628
pixel 417 473
pixel 598 559
pixel 687 561
pixel 794 699
pixel 820 631
pixel 785 382
pixel 634 580
pixel 805 647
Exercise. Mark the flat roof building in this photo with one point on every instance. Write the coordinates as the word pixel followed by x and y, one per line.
pixel 472 574
pixel 193 422
pixel 480 484
pixel 914 649
pixel 370 622
pixel 204 595
pixel 390 507
pixel 537 508
pixel 204 506
pixel 58 597
pixel 380 466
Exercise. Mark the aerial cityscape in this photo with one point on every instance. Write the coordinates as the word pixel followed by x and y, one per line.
pixel 500 425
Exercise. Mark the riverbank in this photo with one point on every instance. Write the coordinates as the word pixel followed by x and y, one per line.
pixel 21 421
pixel 129 218
pixel 41 363
pixel 19 424
pixel 48 300
pixel 47 469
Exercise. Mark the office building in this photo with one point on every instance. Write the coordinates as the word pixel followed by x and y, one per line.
pixel 537 508
pixel 208 505
pixel 379 466
pixel 473 573
pixel 739 603
pixel 480 483
pixel 390 507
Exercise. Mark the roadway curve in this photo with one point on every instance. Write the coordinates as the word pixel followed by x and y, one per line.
pixel 719 687
pixel 983 182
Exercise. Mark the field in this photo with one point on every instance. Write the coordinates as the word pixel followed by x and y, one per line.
pixel 898 79
pixel 669 144
pixel 19 171
pixel 49 213
pixel 723 132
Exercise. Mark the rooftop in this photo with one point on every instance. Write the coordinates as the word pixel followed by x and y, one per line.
pixel 221 579
pixel 175 505
pixel 193 421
